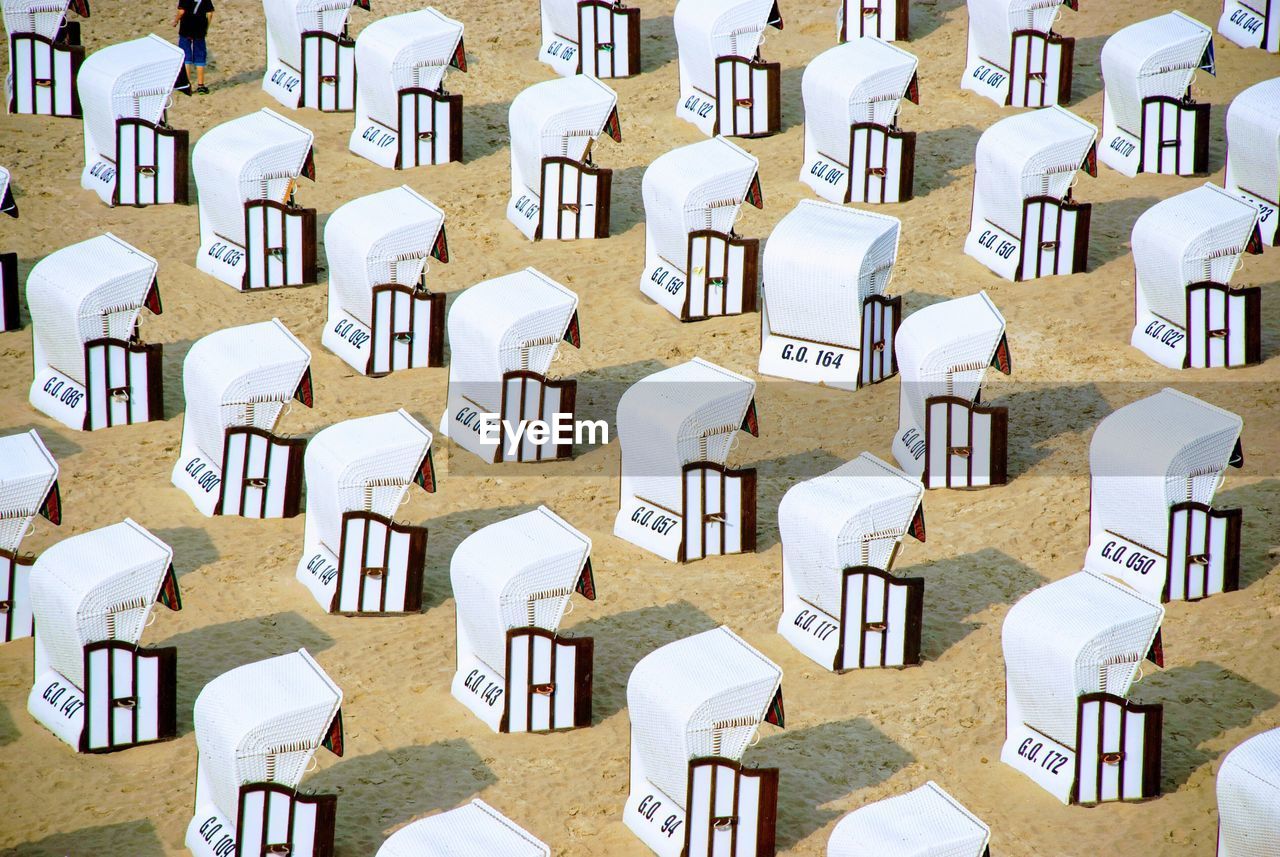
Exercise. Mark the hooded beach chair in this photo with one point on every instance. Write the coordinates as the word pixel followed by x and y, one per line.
pixel 237 382
pixel 511 584
pixel 725 86
pixel 924 822
pixel 356 558
pixel 95 687
pixel 44 56
pixel 1150 122
pixel 472 830
pixel 382 317
pixel 1015 57
pixel 1251 23
pixel 9 314
pixel 1253 153
pixel 840 534
pixel 596 37
pixel 311 61
pixel 826 316
pixel 1025 223
pixel 1185 250
pixel 946 437
pixel 1248 789
pixel 889 20
pixel 404 116
pixel 252 235
pixel 1072 649
pixel 853 148
pixel 695 706
pixel 557 191
pixel 257 727
pixel 503 336
pixel 131 155
pixel 1154 467
pixel 91 368
pixel 28 487
pixel 676 428
pixel 696 265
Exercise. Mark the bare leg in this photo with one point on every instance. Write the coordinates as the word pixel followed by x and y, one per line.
pixel 199 75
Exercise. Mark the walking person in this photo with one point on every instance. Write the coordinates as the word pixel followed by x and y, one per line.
pixel 192 21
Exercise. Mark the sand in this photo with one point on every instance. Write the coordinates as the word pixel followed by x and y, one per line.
pixel 411 749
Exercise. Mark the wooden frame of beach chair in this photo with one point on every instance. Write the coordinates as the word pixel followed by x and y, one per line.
pixel 44 56
pixel 311 61
pixel 924 822
pixel 1248 791
pixel 28 487
pixel 1253 154
pixel 10 316
pixel 889 20
pixel 1251 23
pixel 1185 251
pixel 474 829
pixel 596 37
pixel 1014 56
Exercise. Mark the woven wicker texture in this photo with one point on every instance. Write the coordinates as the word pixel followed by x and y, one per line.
pixel 4 182
pixel 42 17
pixel 262 722
pixel 701 696
pixel 862 80
pixel 1193 237
pixel 128 80
pixel 555 118
pixel 473 830
pixel 820 263
pixel 707 29
pixel 27 472
pixel 926 822
pixel 287 20
pixel 96 586
pixel 87 291
pixel 1158 56
pixel 1253 140
pixel 1081 634
pixel 992 24
pixel 562 15
pixel 1249 798
pixel 409 51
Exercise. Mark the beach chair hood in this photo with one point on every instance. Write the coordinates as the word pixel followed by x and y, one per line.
pixel 28 486
pixel 925 822
pixel 708 29
pixel 129 80
pixel 473 830
pixel 861 81
pixel 992 24
pixel 287 20
pixel 556 119
pixel 1253 141
pixel 409 51
pixel 7 204
pixel 42 17
pixel 1156 57
pixel 1248 789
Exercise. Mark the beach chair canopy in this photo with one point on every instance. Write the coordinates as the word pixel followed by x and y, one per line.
pixel 1082 634
pixel 1193 237
pixel 91 290
pixel 27 473
pixel 1253 140
pixel 859 81
pixel 258 156
pixel 473 830
pixel 376 240
pixel 517 573
pixel 703 696
pixel 41 17
pixel 93 587
pixel 945 349
pixel 1156 57
pixel 287 20
pixel 992 24
pixel 695 187
pixel 262 722
pixel 361 465
pixel 708 29
pixel 409 51
pixel 925 822
pixel 1149 455
pixel 240 376
pixel 687 413
pixel 820 263
pixel 1036 153
pixel 1249 798
pixel 7 205
pixel 129 80
pixel 557 118
pixel 855 515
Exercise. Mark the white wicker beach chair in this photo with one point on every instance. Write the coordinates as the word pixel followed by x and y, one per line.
pixel 840 534
pixel 1025 223
pixel 311 61
pixel 1071 651
pixel 1185 251
pixel 91 369
pixel 237 382
pixel 91 596
pixel 1150 123
pixel 854 150
pixel 9 314
pixel 1253 153
pixel 826 318
pixel 596 37
pixel 725 86
pixel 557 191
pixel 28 487
pixel 252 235
pixel 511 584
pixel 382 316
pixel 472 830
pixel 1249 798
pixel 695 705
pixel 257 728
pixel 404 116
pixel 676 428
pixel 1251 23
pixel 889 20
pixel 131 155
pixel 1155 465
pixel 1015 57
pixel 924 822
pixel 503 336
pixel 44 56
pixel 696 265
pixel 945 435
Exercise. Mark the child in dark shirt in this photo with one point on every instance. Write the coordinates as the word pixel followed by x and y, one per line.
pixel 192 21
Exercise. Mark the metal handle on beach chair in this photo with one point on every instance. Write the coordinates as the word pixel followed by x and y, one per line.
pixel 126 702
pixel 960 451
pixel 724 822
pixel 119 394
pixel 545 689
pixel 1112 758
pixel 373 572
